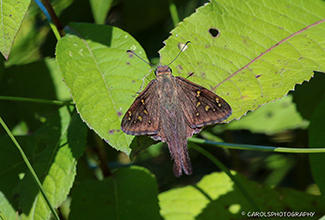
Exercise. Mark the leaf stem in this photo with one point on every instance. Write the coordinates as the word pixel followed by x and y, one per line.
pixel 259 147
pixel 232 177
pixel 44 101
pixel 173 12
pixel 30 168
pixel 51 16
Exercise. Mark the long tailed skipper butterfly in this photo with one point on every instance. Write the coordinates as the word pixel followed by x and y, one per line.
pixel 171 109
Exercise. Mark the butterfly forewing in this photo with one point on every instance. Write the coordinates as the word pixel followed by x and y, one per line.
pixel 142 118
pixel 201 106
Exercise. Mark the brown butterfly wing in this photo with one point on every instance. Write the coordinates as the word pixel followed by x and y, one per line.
pixel 142 116
pixel 201 106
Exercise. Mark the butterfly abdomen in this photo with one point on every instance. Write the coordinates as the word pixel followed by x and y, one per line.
pixel 173 126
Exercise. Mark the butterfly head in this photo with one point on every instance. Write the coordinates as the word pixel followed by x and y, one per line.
pixel 163 70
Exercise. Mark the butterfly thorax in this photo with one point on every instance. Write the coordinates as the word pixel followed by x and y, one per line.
pixel 166 88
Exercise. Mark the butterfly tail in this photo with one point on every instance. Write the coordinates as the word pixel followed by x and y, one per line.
pixel 179 154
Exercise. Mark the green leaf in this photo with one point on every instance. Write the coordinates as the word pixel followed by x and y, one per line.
pixel 61 141
pixel 12 13
pixel 263 49
pixel 100 9
pixel 102 77
pixel 203 201
pixel 272 118
pixel 130 193
pixel 42 80
pixel 6 211
pixel 316 134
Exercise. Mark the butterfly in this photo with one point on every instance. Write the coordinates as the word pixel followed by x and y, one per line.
pixel 172 109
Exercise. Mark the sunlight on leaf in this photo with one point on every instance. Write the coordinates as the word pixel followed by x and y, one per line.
pixel 103 78
pixel 61 142
pixel 216 196
pixel 263 49
pixel 11 17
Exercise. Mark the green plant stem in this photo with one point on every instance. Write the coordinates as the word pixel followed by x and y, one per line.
pixel 44 101
pixel 173 12
pixel 232 177
pixel 259 147
pixel 30 168
pixel 54 22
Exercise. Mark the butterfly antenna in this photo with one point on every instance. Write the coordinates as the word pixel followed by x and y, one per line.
pixel 131 51
pixel 183 48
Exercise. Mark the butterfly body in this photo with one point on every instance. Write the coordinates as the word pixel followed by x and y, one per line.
pixel 171 109
pixel 173 125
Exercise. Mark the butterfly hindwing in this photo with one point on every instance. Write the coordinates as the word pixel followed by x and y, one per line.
pixel 141 118
pixel 201 106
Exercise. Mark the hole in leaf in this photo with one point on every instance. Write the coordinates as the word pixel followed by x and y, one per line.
pixel 182 46
pixel 214 32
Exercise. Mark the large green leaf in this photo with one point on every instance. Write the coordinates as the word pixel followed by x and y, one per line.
pixel 12 13
pixel 129 193
pixel 316 134
pixel 102 77
pixel 216 197
pixel 262 51
pixel 61 141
